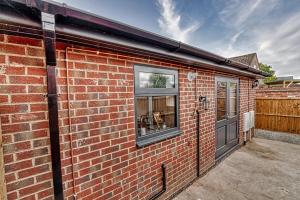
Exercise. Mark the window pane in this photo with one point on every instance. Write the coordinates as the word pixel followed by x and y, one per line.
pixel 156 80
pixel 221 100
pixel 155 114
pixel 233 99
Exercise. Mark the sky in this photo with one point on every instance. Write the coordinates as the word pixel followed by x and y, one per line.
pixel 271 28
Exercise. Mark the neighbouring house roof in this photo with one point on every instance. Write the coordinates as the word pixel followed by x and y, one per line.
pixel 82 28
pixel 248 59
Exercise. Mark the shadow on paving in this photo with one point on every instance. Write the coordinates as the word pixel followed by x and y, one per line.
pixel 261 170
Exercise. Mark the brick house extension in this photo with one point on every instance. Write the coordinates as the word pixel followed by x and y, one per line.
pixel 94 109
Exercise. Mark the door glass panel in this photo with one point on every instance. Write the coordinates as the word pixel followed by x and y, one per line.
pixel 233 100
pixel 221 100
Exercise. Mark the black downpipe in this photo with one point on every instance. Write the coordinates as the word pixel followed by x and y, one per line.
pixel 197 154
pixel 50 54
pixel 198 142
pixel 164 181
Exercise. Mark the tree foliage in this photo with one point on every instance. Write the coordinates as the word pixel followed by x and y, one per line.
pixel 269 70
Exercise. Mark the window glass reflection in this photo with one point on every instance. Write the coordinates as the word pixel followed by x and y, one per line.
pixel 155 114
pixel 156 80
pixel 221 100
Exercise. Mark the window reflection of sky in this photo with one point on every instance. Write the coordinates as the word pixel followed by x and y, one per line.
pixel 145 80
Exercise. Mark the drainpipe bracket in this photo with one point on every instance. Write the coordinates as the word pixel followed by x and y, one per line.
pixel 48 21
pixel 51 95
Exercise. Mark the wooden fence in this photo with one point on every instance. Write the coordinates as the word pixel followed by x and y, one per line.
pixel 278 114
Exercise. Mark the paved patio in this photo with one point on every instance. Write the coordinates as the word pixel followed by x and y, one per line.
pixel 263 169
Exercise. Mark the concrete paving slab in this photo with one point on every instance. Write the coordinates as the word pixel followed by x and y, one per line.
pixel 261 170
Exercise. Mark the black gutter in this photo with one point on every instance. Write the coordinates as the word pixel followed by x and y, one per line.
pixel 86 37
pixel 48 24
pixel 105 24
pixel 164 182
pixel 121 47
pixel 71 15
pixel 185 48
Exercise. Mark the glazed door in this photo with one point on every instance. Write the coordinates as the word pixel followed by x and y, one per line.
pixel 227 114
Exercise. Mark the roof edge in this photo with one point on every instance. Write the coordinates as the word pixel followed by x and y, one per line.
pixel 56 8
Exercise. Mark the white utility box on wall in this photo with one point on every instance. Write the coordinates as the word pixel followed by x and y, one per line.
pixel 246 124
pixel 252 118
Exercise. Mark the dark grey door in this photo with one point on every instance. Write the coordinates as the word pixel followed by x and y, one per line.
pixel 227 114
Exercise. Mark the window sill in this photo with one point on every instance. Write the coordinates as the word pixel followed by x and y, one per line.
pixel 145 142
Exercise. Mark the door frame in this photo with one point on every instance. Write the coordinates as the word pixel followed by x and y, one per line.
pixel 235 80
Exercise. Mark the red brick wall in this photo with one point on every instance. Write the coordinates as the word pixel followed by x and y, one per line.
pixel 24 118
pixel 278 92
pixel 247 101
pixel 101 93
